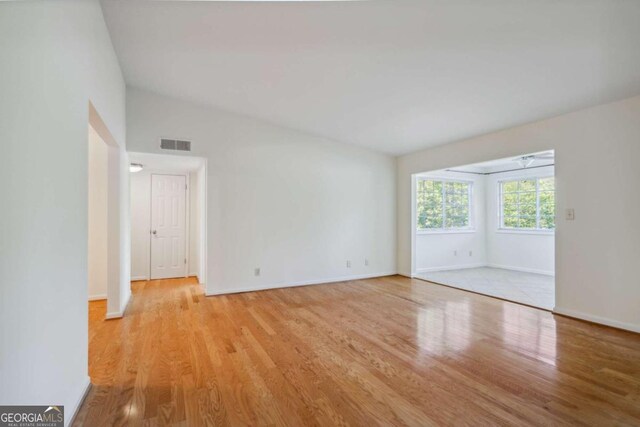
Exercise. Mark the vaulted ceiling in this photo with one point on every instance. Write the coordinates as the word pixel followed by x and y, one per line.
pixel 394 75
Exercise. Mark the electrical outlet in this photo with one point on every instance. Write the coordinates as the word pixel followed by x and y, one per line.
pixel 256 271
pixel 570 215
pixel 455 253
pixel 366 262
pixel 348 264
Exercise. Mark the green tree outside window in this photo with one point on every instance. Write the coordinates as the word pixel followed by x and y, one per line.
pixel 443 204
pixel 528 203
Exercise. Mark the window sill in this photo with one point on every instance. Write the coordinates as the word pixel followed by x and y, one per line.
pixel 463 231
pixel 534 232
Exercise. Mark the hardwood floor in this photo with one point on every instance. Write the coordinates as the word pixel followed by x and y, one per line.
pixel 388 351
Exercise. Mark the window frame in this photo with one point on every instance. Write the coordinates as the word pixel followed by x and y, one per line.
pixel 444 230
pixel 537 230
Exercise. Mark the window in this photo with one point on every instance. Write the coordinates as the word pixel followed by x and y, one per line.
pixel 528 204
pixel 443 204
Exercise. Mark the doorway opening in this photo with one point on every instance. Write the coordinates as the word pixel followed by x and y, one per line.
pixel 107 276
pixel 98 173
pixel 168 217
pixel 488 228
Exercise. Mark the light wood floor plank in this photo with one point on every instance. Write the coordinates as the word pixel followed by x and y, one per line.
pixel 387 351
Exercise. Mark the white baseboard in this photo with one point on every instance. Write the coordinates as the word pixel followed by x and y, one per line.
pixel 82 394
pixel 479 265
pixel 141 278
pixel 293 284
pixel 119 314
pixel 597 319
pixel 450 267
pixel 114 315
pixel 524 270
pixel 97 297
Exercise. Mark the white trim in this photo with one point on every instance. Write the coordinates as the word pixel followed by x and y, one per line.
pixel 294 284
pixel 114 315
pixel 86 386
pixel 413 226
pixel 450 267
pixel 597 319
pixel 480 265
pixel 97 297
pixel 187 224
pixel 203 175
pixel 522 269
pixel 119 314
pixel 436 177
pixel 420 232
pixel 532 231
pixel 139 278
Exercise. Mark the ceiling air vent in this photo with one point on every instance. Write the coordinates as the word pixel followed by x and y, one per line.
pixel 183 145
pixel 175 144
pixel 168 144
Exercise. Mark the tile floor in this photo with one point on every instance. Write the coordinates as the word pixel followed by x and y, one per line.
pixel 533 289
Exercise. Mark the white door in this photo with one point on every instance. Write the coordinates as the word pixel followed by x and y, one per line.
pixel 168 226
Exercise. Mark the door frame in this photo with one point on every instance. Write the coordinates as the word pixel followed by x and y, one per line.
pixel 180 165
pixel 187 222
pixel 118 222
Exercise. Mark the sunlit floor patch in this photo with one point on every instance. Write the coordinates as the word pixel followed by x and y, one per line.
pixel 533 289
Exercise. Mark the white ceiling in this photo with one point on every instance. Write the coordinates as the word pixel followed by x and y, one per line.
pixel 500 165
pixel 394 75
pixel 506 164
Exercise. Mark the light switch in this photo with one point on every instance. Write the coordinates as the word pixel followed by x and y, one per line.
pixel 570 215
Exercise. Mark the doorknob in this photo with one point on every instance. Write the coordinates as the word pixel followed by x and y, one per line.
pixel 154 232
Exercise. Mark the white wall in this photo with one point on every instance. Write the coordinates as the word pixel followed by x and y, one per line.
pixel 56 57
pixel 596 174
pixel 294 205
pixel 141 223
pixel 194 225
pixel 98 206
pixel 517 250
pixel 202 224
pixel 450 250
